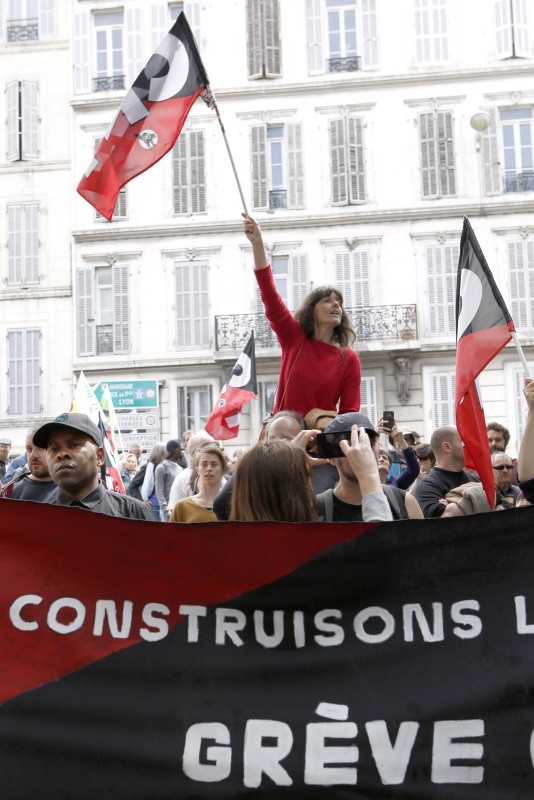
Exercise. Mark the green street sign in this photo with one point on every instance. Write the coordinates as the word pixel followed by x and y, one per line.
pixel 130 394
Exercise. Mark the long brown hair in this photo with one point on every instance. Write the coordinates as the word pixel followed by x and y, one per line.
pixel 272 483
pixel 343 333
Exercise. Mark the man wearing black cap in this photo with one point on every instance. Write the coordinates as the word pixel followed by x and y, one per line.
pixel 359 483
pixel 166 472
pixel 74 454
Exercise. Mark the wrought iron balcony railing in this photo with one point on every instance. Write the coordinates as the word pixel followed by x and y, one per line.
pixel 277 198
pixel 347 64
pixel 105 82
pixel 22 30
pixel 519 181
pixel 370 323
pixel 104 339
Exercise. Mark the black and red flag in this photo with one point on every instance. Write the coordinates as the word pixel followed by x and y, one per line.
pixel 149 119
pixel 483 328
pixel 241 386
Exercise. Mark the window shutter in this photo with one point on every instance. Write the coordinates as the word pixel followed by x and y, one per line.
pixel 360 281
pixel 159 24
pixel 15 244
pixel 447 171
pixel 82 76
pixel 427 145
pixel 258 151
pixel 521 29
pixel 24 372
pixel 12 121
pixel 46 19
pixel 30 119
pixel 356 160
pixel 314 36
pixel 85 304
pixel 368 27
pixel 179 164
pixel 338 165
pixel 197 168
pixel 443 399
pixel 503 29
pixel 31 243
pixel 192 10
pixel 121 206
pixel 368 405
pixel 33 372
pixel 422 29
pixel 490 156
pixel 273 56
pixel 431 30
pixel 520 413
pixel 2 35
pixel 134 38
pixel 192 304
pixel 254 40
pixel 295 171
pixel 15 371
pixel 298 267
pixel 441 262
pixel 519 285
pixel 343 275
pixel 121 307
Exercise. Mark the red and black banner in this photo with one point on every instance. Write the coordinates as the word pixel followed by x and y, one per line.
pixel 142 661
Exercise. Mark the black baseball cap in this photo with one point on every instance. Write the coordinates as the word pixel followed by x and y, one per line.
pixel 344 422
pixel 80 422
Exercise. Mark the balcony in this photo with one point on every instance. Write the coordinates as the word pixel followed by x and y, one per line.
pixel 106 82
pixel 370 323
pixel 519 181
pixel 347 64
pixel 22 30
pixel 277 199
pixel 104 339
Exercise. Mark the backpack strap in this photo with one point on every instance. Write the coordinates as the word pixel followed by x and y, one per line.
pixel 395 497
pixel 325 505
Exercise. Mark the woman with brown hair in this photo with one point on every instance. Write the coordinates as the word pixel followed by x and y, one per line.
pixel 318 367
pixel 210 467
pixel 272 483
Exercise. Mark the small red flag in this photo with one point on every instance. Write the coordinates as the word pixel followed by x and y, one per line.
pixel 149 119
pixel 483 328
pixel 223 422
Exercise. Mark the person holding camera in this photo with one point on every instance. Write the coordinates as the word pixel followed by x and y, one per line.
pixel 318 369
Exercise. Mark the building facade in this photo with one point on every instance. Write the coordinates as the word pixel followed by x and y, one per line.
pixel 362 132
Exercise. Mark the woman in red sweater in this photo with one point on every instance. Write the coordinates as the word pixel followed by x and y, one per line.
pixel 318 367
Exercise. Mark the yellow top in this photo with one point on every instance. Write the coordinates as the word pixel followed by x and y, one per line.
pixel 187 510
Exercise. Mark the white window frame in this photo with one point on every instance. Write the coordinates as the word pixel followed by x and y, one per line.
pixel 264 48
pixel 436 154
pixel 87 312
pixel 367 57
pixel 163 16
pixel 266 393
pixel 189 185
pixel 441 271
pixel 517 172
pixel 22 120
pixel 24 371
pixel 352 271
pixel 192 304
pixel 191 392
pixel 296 276
pixel 292 165
pixel 23 245
pixel 111 70
pixel 431 31
pixel 520 272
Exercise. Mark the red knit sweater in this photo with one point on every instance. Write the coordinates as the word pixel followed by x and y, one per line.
pixel 320 375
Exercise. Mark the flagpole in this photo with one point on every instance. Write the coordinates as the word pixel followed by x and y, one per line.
pixel 213 103
pixel 521 355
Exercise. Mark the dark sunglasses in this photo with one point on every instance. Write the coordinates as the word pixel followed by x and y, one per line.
pixel 504 466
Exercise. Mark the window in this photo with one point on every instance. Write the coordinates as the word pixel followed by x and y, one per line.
pixel 438 171
pixel 103 309
pixel 347 166
pixel 441 267
pixel 277 169
pixel 263 39
pixel 266 396
pixel 22 104
pixel 109 66
pixel 352 276
pixel 507 151
pixel 189 178
pixel 341 35
pixel 290 274
pixel 431 44
pixel 368 398
pixel 23 244
pixel 163 15
pixel 512 38
pixel 192 304
pixel 520 261
pixel 24 372
pixel 194 407
pixel 442 387
pixel 30 20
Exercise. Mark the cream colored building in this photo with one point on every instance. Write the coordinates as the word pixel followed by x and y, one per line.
pixel 349 124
